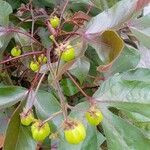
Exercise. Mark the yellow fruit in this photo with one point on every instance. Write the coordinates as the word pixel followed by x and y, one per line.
pixel 55 21
pixel 26 119
pixel 39 133
pixel 74 131
pixel 94 116
pixel 34 66
pixel 42 59
pixel 68 54
pixel 15 52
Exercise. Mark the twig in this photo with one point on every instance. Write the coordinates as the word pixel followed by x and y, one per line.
pixel 52 116
pixel 90 99
pixel 64 8
pixel 24 55
pixel 77 85
pixel 9 30
pixel 32 30
pixel 37 88
pixel 62 100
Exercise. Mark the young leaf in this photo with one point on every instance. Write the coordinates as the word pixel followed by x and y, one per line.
pixel 116 16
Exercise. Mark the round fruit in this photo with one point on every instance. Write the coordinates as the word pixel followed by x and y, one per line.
pixel 26 118
pixel 94 116
pixel 74 131
pixel 42 59
pixel 55 21
pixel 68 54
pixel 15 52
pixel 34 66
pixel 40 131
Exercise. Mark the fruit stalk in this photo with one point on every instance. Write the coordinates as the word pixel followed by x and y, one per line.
pixel 80 89
pixel 52 116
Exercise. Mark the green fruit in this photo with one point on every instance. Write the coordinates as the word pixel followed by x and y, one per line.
pixel 42 59
pixel 34 66
pixel 26 119
pixel 40 132
pixel 15 52
pixel 68 54
pixel 55 21
pixel 74 132
pixel 94 116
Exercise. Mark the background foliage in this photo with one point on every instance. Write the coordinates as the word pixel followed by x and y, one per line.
pixel 111 66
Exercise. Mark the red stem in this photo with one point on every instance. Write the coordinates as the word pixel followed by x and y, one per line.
pixel 24 55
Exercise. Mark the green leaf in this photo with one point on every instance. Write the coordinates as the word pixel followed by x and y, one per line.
pixel 142 35
pixel 80 69
pixel 81 1
pixel 129 93
pixel 5 11
pixel 139 74
pixel 47 104
pixel 9 95
pixel 123 135
pixel 14 4
pixel 128 59
pixel 145 57
pixel 5 115
pixel 116 89
pixel 5 37
pixel 94 59
pixel 93 139
pixel 18 137
pixel 44 35
pixel 140 28
pixel 22 39
pixel 68 87
pixel 116 16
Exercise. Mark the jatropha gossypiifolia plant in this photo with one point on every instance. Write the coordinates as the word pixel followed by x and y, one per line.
pixel 72 75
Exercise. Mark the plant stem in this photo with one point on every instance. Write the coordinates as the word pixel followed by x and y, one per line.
pixel 64 8
pixel 90 99
pixel 52 116
pixel 32 30
pixel 24 55
pixel 62 100
pixel 80 89
pixel 60 94
pixel 29 106
pixel 18 31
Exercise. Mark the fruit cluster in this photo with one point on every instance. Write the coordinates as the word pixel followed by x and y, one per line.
pixel 35 65
pixel 66 54
pixel 74 130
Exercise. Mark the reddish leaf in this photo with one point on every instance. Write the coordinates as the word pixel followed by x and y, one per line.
pixel 79 17
pixel 141 4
